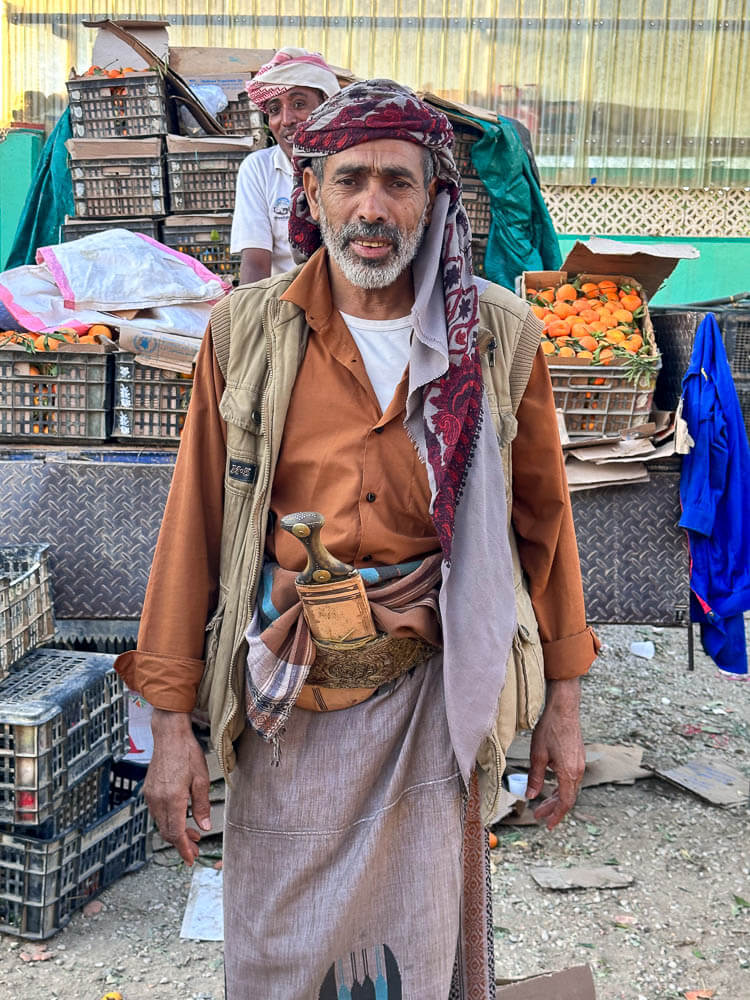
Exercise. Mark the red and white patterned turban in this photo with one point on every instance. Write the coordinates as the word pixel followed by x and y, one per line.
pixel 289 68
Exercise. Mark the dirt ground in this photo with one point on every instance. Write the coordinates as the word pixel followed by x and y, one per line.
pixel 682 925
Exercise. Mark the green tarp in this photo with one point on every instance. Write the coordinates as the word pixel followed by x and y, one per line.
pixel 49 200
pixel 522 237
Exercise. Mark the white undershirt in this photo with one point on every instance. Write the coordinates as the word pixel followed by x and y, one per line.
pixel 384 345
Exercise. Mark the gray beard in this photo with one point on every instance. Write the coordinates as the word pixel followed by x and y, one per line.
pixel 373 274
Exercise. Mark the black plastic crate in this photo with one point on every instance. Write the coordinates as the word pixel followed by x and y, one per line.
pixel 129 183
pixel 241 116
pixel 44 881
pixel 202 182
pixel 53 396
pixel 478 253
pixel 742 385
pixel 735 326
pixel 132 106
pixel 208 240
pixel 463 140
pixel 149 403
pixel 76 229
pixel 476 199
pixel 61 714
pixel 26 619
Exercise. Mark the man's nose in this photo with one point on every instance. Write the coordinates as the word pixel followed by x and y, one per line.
pixel 371 207
pixel 288 116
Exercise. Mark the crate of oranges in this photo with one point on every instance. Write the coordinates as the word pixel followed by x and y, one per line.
pixel 599 343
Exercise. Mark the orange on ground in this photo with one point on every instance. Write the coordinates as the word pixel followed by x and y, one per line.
pixel 493 840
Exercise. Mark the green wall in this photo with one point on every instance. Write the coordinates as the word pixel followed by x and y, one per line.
pixel 723 267
pixel 19 152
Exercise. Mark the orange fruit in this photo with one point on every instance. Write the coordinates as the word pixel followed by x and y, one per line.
pixel 87 339
pixel 614 337
pixel 492 837
pixel 588 343
pixel 607 285
pixel 631 302
pixel 598 327
pixel 567 352
pixel 99 330
pixel 548 347
pixel 566 293
pixel 637 340
pixel 585 354
pixel 562 309
pixel 548 294
pixel 539 312
pixel 623 315
pixel 590 290
pixel 589 315
pixel 606 355
pixel 558 329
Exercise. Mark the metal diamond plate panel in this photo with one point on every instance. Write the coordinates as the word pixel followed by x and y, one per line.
pixel 634 558
pixel 100 512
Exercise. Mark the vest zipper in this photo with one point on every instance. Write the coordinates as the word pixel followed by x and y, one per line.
pixel 266 425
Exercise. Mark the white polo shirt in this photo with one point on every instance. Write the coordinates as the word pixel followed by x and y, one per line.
pixel 262 205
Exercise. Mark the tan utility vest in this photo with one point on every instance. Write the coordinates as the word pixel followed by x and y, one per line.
pixel 260 360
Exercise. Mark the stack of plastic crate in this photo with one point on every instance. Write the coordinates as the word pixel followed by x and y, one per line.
pixel 117 162
pixel 72 814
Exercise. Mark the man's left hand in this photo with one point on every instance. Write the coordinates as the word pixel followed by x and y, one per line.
pixel 557 744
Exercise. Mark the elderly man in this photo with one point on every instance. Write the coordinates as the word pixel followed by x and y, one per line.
pixel 286 89
pixel 386 387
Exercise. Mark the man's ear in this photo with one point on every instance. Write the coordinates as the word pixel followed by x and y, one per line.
pixel 312 191
pixel 431 193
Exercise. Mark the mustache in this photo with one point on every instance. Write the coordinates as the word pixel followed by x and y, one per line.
pixel 369 231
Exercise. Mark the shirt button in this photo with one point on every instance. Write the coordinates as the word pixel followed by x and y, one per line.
pixel 255 417
pixel 370 497
pixel 378 430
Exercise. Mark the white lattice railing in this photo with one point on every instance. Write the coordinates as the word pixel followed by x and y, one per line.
pixel 688 212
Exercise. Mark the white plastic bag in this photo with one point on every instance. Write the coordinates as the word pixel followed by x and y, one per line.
pixel 116 270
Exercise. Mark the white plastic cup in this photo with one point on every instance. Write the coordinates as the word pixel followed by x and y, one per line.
pixel 517 784
pixel 645 650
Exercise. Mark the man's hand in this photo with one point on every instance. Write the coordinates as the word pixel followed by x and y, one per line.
pixel 557 744
pixel 177 775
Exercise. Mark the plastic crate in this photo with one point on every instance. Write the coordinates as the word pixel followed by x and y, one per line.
pixel 202 182
pixel 742 385
pixel 463 140
pixel 55 395
pixel 241 117
pixel 44 881
pixel 76 229
pixel 735 325
pixel 61 714
pixel 598 401
pixel 26 619
pixel 149 403
pixel 208 240
pixel 84 802
pixel 476 199
pixel 124 107
pixel 129 183
pixel 478 253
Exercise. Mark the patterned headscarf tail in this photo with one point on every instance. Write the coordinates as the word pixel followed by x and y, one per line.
pixel 382 109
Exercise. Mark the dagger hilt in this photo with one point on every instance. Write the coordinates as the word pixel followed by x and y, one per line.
pixel 321 566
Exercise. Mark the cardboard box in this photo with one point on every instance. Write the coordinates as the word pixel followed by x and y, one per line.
pixel 111 52
pixel 229 69
pixel 576 983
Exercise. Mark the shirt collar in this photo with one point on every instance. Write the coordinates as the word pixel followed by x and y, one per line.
pixel 281 161
pixel 311 291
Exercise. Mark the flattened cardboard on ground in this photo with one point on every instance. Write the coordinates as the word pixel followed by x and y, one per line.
pixel 588 475
pixel 604 877
pixel 576 983
pixel 712 780
pixel 613 764
pixel 203 919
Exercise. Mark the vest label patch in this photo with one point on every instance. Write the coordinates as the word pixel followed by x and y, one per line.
pixel 243 472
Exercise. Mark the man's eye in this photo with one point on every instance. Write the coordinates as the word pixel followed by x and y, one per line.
pixel 273 111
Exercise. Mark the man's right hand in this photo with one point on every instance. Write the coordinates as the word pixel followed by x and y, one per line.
pixel 177 776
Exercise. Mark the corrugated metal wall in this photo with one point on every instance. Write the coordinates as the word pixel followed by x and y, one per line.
pixel 626 92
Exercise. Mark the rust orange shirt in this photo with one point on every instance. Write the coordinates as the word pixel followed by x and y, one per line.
pixel 341 455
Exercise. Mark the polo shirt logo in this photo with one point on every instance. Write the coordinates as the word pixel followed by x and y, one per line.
pixel 282 207
pixel 242 472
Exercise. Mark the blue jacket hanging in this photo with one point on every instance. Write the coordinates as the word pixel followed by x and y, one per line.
pixel 716 500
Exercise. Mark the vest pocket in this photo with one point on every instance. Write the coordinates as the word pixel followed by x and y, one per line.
pixel 241 411
pixel 529 661
pixel 213 633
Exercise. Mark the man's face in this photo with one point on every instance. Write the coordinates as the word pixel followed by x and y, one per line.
pixel 372 208
pixel 286 111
